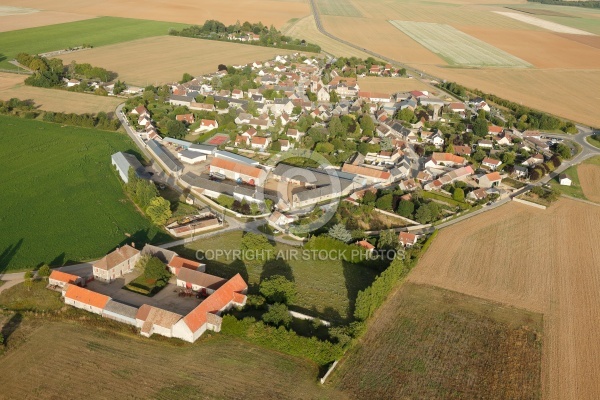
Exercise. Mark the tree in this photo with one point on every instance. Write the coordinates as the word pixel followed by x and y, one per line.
pixel 367 125
pixel 480 127
pixel 157 271
pixel 335 127
pixel 176 129
pixel 159 210
pixel 369 197
pixel 44 271
pixel 388 239
pixel 564 151
pixel 458 195
pixel 339 232
pixel 277 315
pixel 256 249
pixel 278 289
pixel 186 78
pixel 406 114
pixel 119 87
pixel 406 208
pixel 28 280
pixel 479 155
pixel 423 214
pixel 385 202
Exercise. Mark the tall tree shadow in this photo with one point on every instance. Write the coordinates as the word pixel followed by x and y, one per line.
pixel 277 267
pixel 7 255
pixel 11 326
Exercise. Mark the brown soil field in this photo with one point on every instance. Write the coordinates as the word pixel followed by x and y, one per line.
pixel 164 59
pixel 393 85
pixel 589 178
pixel 185 11
pixel 542 49
pixel 430 343
pixel 541 260
pixel 101 364
pixel 42 18
pixel 593 41
pixel 557 91
pixel 53 99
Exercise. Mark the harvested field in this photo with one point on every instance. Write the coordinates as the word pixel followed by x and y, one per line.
pixel 586 22
pixel 9 10
pixel 184 11
pixel 589 177
pixel 164 59
pixel 11 85
pixel 429 343
pixel 392 85
pixel 456 47
pixel 340 8
pixel 593 41
pixel 539 11
pixel 542 260
pixel 127 366
pixel 524 86
pixel 551 26
pixel 544 49
pixel 14 22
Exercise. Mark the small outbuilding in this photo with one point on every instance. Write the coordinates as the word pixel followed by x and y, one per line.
pixel 564 180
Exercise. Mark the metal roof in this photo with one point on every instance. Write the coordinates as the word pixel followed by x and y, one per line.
pixel 235 157
pixel 178 142
pixel 124 161
pixel 164 156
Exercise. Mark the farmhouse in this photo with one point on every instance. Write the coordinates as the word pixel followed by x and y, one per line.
pixel 489 180
pixel 372 174
pixel 85 299
pixel 444 159
pixel 491 163
pixel 152 320
pixel 199 281
pixel 116 264
pixel 462 150
pixel 187 118
pixel 407 239
pixel 207 125
pixel 60 279
pixel 237 171
pixel 124 161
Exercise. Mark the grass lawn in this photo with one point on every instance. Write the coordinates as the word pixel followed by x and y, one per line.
pixel 61 200
pixel 446 199
pixel 430 343
pixel 326 289
pixel 18 298
pixel 126 365
pixel 96 32
pixel 513 183
pixel 594 140
pixel 575 189
pixel 143 286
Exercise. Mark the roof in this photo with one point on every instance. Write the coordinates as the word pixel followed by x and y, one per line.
pixel 230 291
pixel 494 128
pixel 177 142
pixel 125 161
pixel 200 278
pixel 365 244
pixel 86 296
pixel 180 262
pixel 202 148
pixel 163 255
pixel 115 258
pixel 494 176
pixel 365 171
pixel 406 237
pixel 235 157
pixel 190 154
pixel 63 276
pixel 157 316
pixel 121 309
pixel 447 157
pixel 236 167
pixel 491 161
pixel 164 156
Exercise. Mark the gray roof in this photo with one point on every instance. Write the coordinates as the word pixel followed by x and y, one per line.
pixel 163 255
pixel 235 157
pixel 178 142
pixel 203 148
pixel 191 154
pixel 187 99
pixel 164 156
pixel 125 161
pixel 121 309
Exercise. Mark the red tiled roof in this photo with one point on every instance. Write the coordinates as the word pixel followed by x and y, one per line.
pixel 63 276
pixel 494 176
pixel 406 237
pixel 236 167
pixel 180 262
pixel 86 296
pixel 365 171
pixel 447 157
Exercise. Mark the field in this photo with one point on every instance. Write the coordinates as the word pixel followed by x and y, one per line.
pixel 549 25
pixel 61 200
pixel 96 32
pixel 456 47
pixel 338 7
pixel 126 366
pixel 589 176
pixel 11 85
pixel 276 12
pixel 392 85
pixel 544 261
pixel 326 289
pixel 165 59
pixel 13 22
pixel 430 343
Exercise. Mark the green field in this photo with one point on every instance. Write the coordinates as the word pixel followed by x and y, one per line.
pixel 61 200
pixel 339 8
pixel 430 343
pixel 326 289
pixel 456 47
pixel 96 363
pixel 96 32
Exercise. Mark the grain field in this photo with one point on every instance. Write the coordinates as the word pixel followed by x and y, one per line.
pixel 589 178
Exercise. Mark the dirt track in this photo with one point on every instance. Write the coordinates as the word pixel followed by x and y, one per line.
pixel 544 261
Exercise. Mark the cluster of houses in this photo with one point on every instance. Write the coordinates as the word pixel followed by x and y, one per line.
pixel 219 294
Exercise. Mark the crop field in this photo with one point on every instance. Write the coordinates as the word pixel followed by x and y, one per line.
pixel 276 12
pixel 589 177
pixel 61 200
pixel 548 25
pixel 11 22
pixel 126 366
pixel 11 85
pixel 340 8
pixel 429 343
pixel 96 32
pixel 165 59
pixel 392 85
pixel 326 288
pixel 456 47
pixel 544 261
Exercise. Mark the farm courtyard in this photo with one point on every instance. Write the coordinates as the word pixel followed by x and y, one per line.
pixel 62 202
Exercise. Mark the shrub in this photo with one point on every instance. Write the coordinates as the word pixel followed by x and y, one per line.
pixel 278 315
pixel 278 289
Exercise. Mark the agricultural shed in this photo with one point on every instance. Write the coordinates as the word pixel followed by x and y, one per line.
pixel 120 312
pixel 124 161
